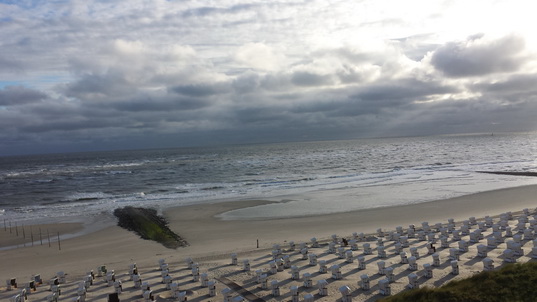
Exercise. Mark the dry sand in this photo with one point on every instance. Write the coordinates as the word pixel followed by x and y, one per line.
pixel 213 240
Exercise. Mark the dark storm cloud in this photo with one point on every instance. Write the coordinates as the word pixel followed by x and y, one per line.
pixel 19 95
pixel 200 90
pixel 478 56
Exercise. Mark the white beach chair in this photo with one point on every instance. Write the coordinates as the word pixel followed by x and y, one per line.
pixel 381 266
pixel 414 253
pixel 353 244
pixel 234 259
pixel 308 298
pixel 428 270
pixel 273 268
pixel 313 259
pixel 436 259
pixel 412 265
pixel 482 251
pixel 404 258
pixel 275 287
pixel 412 281
pixel 295 272
pixel 148 296
pixel 204 280
pixel 307 280
pixel 384 287
pixel 322 267
pixel 454 267
pixel 227 294
pixel 349 258
pixel 314 243
pixel 361 262
pixel 444 242
pixel 322 287
pixel 304 253
pixel 263 280
pixel 294 293
pixel 246 265
pixel 346 293
pixel 364 282
pixel 341 252
pixel 292 246
pixel 336 272
pixel 453 254
pixel 61 277
pixel 331 247
pixel 367 249
pixel 488 264
pixel 388 272
pixel 381 252
pixel 212 288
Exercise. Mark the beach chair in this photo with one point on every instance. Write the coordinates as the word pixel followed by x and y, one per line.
pixel 189 262
pixel 399 230
pixel 380 242
pixel 411 232
pixel 465 230
pixel 381 252
pixel 56 289
pixel 331 247
pixel 238 299
pixel 444 242
pixel 110 278
pixel 322 287
pixel 508 232
pixel 227 294
pixel 275 287
pixel 474 237
pixel 304 253
pixel 412 281
pixel 436 259
pixel 528 234
pixel 380 233
pixel 404 241
pixel 148 296
pixel 294 293
pixel 286 261
pixel 279 264
pixel 137 281
pixel 463 246
pixel 414 252
pixel 38 280
pixel 488 264
pixel 398 247
pixel 488 221
pixel 322 267
pixel 273 268
pixel 453 254
pixel 212 288
pixel 334 238
pixel 367 249
pixel 498 237
pixel 482 226
pixel 61 277
pixel 295 272
pixel 431 237
pixel 341 252
pixel 263 280
pixel 16 298
pixel 384 287
pixel 421 235
pixel 353 244
pixel 181 296
pixel 11 283
pixel 404 258
pixel 388 272
pixel 454 267
pixel 349 258
pixel 412 265
pixel 336 272
pixel 346 293
pixel 234 259
pixel 364 282
pixel 361 262
pixel 381 266
pixel 30 286
pixel 425 227
pixel 145 287
pixel 204 280
pixel 482 251
pixel 456 235
pixel 428 270
pixel 195 274
pixel 246 265
pixel 292 246
pixel 307 280
pixel 491 242
pixel 431 249
pixel 118 286
pixel 101 270
pixel 314 243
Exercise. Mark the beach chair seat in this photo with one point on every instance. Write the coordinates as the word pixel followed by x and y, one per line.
pixel 436 259
pixel 304 253
pixel 349 258
pixel 381 252
pixel 361 262
pixel 336 272
pixel 454 267
pixel 314 242
pixel 212 288
pixel 322 267
pixel 381 267
pixel 412 265
pixel 388 272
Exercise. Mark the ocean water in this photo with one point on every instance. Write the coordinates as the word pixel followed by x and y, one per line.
pixel 310 177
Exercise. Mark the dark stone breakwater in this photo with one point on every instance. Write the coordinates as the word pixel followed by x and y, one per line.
pixel 148 225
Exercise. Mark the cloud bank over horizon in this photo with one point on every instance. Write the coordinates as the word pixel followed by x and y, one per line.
pixel 98 75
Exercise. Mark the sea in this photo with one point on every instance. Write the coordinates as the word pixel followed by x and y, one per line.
pixel 357 174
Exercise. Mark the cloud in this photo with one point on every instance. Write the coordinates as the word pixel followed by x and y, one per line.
pixel 479 56
pixel 19 95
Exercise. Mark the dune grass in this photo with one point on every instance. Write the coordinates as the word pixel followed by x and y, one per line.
pixel 513 283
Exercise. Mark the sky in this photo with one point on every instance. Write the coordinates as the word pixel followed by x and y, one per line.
pixel 83 75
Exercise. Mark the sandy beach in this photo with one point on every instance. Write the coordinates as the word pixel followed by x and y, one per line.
pixel 212 240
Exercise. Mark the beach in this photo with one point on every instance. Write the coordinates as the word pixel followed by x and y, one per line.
pixel 212 240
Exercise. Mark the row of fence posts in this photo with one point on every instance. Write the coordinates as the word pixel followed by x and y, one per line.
pixel 15 230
